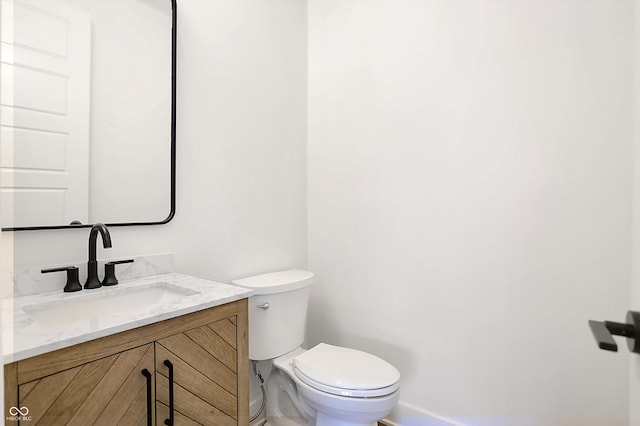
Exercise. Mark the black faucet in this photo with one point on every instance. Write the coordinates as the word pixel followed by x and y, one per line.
pixel 92 264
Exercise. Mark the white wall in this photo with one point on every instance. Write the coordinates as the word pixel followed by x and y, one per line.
pixel 634 377
pixel 242 123
pixel 241 150
pixel 469 178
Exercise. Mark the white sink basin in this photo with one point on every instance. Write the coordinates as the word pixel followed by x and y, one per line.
pixel 105 302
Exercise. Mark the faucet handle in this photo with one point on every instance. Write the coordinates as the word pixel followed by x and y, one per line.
pixel 110 271
pixel 73 283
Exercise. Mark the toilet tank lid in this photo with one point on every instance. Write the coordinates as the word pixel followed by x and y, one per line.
pixel 276 282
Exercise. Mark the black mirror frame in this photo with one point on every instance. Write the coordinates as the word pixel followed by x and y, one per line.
pixel 174 45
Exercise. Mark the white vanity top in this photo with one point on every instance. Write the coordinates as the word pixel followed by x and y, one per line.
pixel 39 323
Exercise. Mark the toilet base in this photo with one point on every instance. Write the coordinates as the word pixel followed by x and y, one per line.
pixel 284 421
pixel 321 420
pixel 286 409
pixel 324 420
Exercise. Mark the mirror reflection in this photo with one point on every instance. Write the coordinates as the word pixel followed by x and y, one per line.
pixel 85 111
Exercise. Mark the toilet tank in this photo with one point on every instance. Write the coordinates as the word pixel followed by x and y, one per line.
pixel 277 311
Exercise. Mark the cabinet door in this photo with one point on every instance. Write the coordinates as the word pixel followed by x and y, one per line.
pixel 205 382
pixel 109 391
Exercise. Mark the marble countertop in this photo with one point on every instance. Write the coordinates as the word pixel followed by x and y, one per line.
pixel 25 334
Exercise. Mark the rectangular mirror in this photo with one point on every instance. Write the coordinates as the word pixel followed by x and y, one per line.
pixel 87 113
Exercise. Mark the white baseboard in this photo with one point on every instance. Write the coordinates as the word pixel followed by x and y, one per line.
pixel 409 415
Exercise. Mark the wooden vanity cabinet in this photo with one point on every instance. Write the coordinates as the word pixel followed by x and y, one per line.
pixel 196 363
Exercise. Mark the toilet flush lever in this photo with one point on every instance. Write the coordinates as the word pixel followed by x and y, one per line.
pixel 264 306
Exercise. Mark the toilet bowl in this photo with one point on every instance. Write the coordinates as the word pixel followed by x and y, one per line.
pixel 334 386
pixel 324 386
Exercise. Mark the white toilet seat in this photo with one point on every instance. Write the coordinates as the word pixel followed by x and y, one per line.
pixel 353 393
pixel 346 372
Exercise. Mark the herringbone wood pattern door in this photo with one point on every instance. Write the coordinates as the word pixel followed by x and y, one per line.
pixel 205 383
pixel 109 391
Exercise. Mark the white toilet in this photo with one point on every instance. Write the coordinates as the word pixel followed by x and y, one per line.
pixel 323 386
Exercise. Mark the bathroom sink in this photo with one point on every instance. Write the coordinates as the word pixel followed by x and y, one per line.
pixel 106 302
